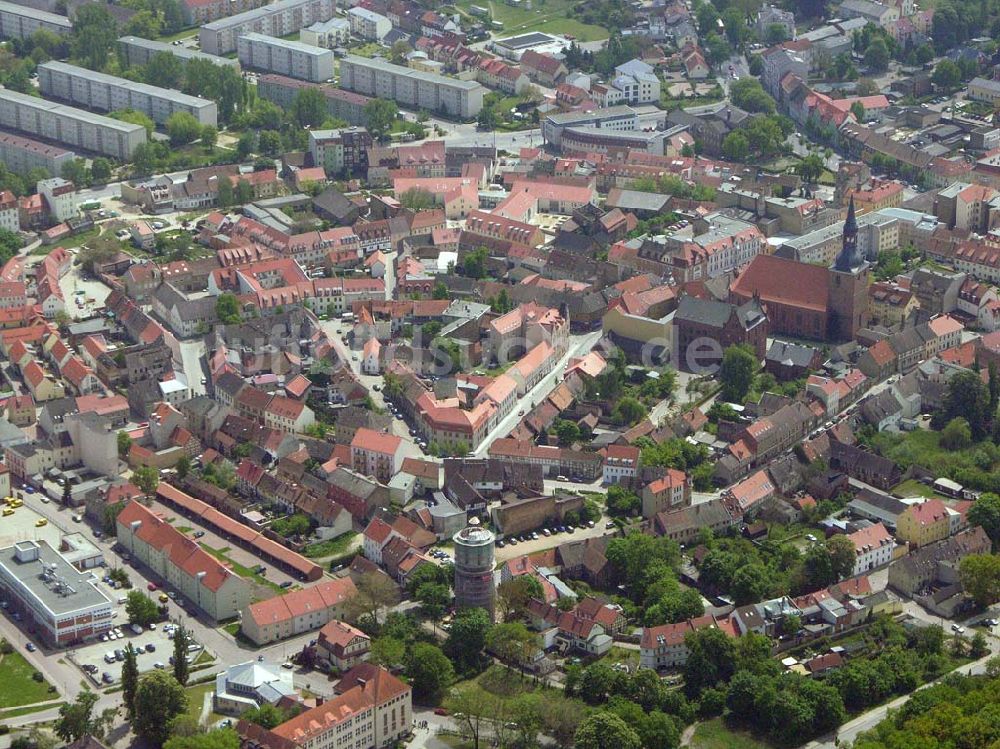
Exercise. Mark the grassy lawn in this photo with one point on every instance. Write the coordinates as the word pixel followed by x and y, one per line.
pixel 913 488
pixel 16 685
pixel 196 697
pixel 185 34
pixel 239 569
pixel 715 735
pixel 232 628
pixel 5 714
pixel 184 528
pixel 368 50
pixel 331 548
pixel 552 16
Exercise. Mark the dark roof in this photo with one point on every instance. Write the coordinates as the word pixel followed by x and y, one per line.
pixel 791 354
pixel 717 314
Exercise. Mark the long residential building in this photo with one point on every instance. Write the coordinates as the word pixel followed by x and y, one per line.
pixel 139 51
pixel 178 559
pixel 74 127
pixel 278 19
pixel 109 93
pixel 19 21
pixel 413 88
pixel 21 155
pixel 294 59
pixel 297 612
pixel 340 104
pixel 59 602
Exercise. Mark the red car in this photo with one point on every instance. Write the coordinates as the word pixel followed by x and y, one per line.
pixel 151 586
pixel 440 711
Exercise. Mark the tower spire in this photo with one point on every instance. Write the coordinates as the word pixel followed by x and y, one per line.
pixel 848 258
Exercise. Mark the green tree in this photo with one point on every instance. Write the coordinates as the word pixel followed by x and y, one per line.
pixel 736 147
pixel 124 444
pixel 164 70
pixel 467 638
pixel 158 698
pixel 269 142
pixel 842 556
pixel 967 397
pixel 76 719
pixel 227 309
pixel 181 669
pixel 956 435
pixel 514 595
pixel 209 137
pixel 512 643
pixel 985 513
pixel 417 199
pixel 980 576
pixel 737 373
pixel 94 34
pixel 946 76
pixel 183 466
pixel 567 431
pixel 380 115
pixel 748 94
pixel 388 652
pixel 622 502
pixel 267 715
pixel 603 730
pixel 141 609
pixel 474 264
pixel 146 478
pixel 135 118
pixel 130 678
pixel 628 411
pixel 440 291
pixel 309 108
pixel 243 192
pixel 877 55
pixel 810 168
pixel 220 738
pixel 429 670
pixel 100 170
pixel 433 599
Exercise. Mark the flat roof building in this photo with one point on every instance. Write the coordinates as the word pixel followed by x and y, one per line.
pixel 407 87
pixel 294 59
pixel 64 604
pixel 109 93
pixel 340 104
pixel 610 118
pixel 139 51
pixel 20 22
pixel 278 19
pixel 74 127
pixel 21 155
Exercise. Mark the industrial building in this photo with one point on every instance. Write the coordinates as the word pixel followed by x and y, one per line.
pixel 408 87
pixel 21 154
pixel 74 127
pixel 278 19
pixel 340 104
pixel 19 22
pixel 59 602
pixel 139 51
pixel 474 563
pixel 108 93
pixel 294 59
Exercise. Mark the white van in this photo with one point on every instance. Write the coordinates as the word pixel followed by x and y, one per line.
pixel 122 600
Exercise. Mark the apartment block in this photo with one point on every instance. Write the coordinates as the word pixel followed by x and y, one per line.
pixel 198 12
pixel 109 93
pixel 21 155
pixel 278 19
pixel 139 51
pixel 294 59
pixel 330 34
pixel 74 127
pixel 367 24
pixel 20 22
pixel 340 104
pixel 340 150
pixel 408 87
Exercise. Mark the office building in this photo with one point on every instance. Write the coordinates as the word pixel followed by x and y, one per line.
pixel 340 150
pixel 21 155
pixel 20 22
pixel 408 87
pixel 294 59
pixel 474 563
pixel 139 51
pixel 108 93
pixel 74 127
pixel 340 104
pixel 330 34
pixel 278 19
pixel 611 118
pixel 59 602
pixel 367 24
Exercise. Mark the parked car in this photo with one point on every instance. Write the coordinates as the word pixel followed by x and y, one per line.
pixel 30 647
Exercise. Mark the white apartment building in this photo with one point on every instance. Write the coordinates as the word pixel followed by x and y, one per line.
pixel 24 154
pixel 330 34
pixel 20 22
pixel 60 196
pixel 109 93
pixel 873 546
pixel 367 24
pixel 9 215
pixel 294 59
pixel 74 127
pixel 636 83
pixel 277 19
pixel 412 88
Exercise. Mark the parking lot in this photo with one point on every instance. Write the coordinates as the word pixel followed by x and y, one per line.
pixel 22 525
pixel 152 647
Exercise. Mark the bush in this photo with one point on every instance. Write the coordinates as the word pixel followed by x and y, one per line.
pixel 37 676
pixel 5 647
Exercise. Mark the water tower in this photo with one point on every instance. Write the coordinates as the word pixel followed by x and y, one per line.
pixel 474 563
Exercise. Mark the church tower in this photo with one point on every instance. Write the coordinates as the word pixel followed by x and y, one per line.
pixel 848 289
